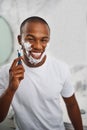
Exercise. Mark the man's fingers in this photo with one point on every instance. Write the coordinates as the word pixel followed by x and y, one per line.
pixel 20 76
pixel 15 63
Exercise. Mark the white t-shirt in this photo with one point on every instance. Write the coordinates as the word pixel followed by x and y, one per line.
pixel 36 102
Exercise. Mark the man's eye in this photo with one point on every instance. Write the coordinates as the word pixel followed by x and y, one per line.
pixel 30 39
pixel 44 40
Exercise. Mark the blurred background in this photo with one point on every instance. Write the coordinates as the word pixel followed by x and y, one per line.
pixel 68 22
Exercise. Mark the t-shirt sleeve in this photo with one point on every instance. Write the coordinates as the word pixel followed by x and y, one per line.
pixel 68 88
pixel 4 79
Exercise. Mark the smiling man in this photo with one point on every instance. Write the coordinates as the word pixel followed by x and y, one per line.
pixel 34 87
pixel 34 38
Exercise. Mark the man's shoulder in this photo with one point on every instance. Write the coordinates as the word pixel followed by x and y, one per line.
pixel 5 67
pixel 58 62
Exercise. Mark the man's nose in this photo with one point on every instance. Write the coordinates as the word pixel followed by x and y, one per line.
pixel 37 45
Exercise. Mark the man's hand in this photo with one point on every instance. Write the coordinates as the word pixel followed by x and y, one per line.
pixel 16 74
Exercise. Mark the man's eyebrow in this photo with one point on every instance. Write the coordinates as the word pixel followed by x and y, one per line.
pixel 34 36
pixel 30 35
pixel 45 37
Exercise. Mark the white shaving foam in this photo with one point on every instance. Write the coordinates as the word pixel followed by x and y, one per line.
pixel 27 47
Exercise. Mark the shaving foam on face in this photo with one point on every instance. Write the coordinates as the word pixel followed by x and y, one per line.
pixel 28 48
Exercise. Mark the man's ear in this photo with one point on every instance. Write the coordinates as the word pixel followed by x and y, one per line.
pixel 19 39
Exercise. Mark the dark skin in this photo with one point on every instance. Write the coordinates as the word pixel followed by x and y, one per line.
pixel 38 35
pixel 74 112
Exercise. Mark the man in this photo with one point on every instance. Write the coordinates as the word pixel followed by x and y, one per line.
pixel 33 87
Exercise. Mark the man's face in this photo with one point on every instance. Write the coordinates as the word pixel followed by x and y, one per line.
pixel 37 35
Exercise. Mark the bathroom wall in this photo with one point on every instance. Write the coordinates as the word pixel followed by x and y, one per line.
pixel 67 19
pixel 68 22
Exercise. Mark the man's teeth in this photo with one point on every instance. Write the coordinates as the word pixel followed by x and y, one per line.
pixel 36 54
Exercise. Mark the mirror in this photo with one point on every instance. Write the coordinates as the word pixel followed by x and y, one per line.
pixel 6 41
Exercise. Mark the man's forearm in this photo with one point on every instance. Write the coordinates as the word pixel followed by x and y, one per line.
pixel 75 117
pixel 5 101
pixel 74 112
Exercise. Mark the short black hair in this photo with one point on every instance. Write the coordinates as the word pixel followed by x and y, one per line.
pixel 33 19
